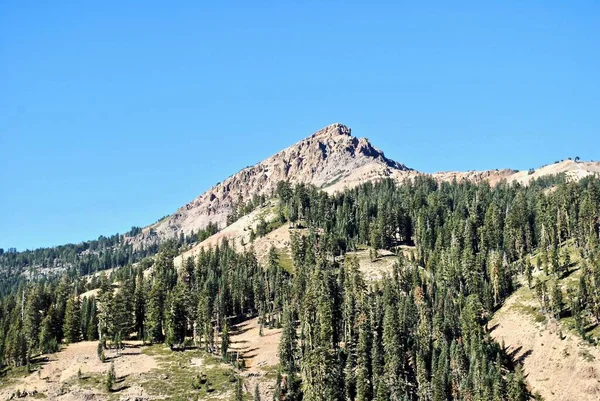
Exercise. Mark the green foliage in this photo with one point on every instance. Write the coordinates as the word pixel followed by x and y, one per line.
pixel 417 334
pixel 239 391
pixel 100 351
pixel 81 259
pixel 72 320
pixel 111 377
pixel 176 317
pixel 225 340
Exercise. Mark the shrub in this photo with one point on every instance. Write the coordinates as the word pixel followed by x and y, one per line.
pixel 111 376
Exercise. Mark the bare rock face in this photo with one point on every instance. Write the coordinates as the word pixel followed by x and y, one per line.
pixel 329 156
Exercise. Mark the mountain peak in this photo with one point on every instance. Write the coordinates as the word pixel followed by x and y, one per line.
pixel 331 159
pixel 332 131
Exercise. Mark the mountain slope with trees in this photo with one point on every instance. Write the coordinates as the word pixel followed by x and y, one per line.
pixel 419 331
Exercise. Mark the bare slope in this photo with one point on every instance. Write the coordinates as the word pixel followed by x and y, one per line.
pixel 573 170
pixel 260 353
pixel 558 364
pixel 237 233
pixel 57 379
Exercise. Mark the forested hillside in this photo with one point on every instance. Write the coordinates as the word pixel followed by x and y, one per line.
pixel 420 333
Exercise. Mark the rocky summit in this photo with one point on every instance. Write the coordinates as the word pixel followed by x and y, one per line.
pixel 330 159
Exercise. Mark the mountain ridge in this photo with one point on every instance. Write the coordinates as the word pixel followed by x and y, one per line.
pixel 331 159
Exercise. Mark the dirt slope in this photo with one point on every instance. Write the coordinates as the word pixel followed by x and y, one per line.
pixel 56 377
pixel 237 233
pixel 260 354
pixel 559 368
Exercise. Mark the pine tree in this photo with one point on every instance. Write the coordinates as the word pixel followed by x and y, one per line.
pixel 123 312
pixel 516 390
pixel 440 374
pixel 33 318
pixel 225 340
pixel 140 304
pixel 155 313
pixel 556 266
pixel 393 353
pixel 91 333
pixel 556 299
pixel 204 318
pixel 288 352
pixel 377 359
pixel 48 333
pixel 175 317
pixel 277 390
pixel 364 389
pixel 100 351
pixel 256 393
pixel 72 322
pixel 111 377
pixel 239 391
pixel 15 351
pixel 105 315
pixel 321 350
pixel 528 273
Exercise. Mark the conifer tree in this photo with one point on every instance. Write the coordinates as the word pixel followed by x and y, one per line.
pixel 239 391
pixel 556 299
pixel 140 303
pixel 364 382
pixel 393 353
pixel 176 317
pixel 91 333
pixel 123 312
pixel 72 321
pixel 516 389
pixel 225 339
pixel 105 313
pixel 256 393
pixel 288 352
pixel 33 318
pixel 111 377
pixel 155 313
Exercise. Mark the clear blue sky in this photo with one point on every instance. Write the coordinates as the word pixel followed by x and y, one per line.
pixel 114 115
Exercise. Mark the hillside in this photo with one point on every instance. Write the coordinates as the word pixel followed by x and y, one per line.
pixel 542 335
pixel 550 353
pixel 425 285
pixel 573 170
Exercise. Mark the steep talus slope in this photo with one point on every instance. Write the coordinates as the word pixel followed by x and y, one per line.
pixel 330 156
